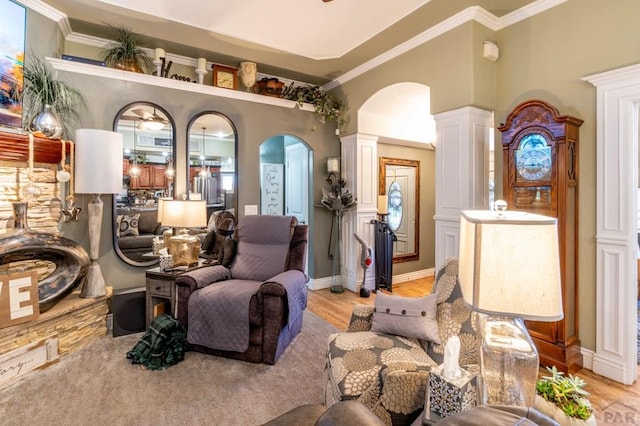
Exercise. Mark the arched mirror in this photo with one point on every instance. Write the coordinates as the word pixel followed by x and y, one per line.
pixel 400 182
pixel 148 134
pixel 212 143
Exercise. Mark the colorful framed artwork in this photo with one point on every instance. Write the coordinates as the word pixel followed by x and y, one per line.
pixel 12 46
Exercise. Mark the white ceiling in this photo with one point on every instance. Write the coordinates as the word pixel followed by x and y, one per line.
pixel 309 28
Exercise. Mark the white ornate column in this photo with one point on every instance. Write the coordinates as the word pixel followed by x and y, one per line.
pixel 360 169
pixel 462 172
pixel 618 102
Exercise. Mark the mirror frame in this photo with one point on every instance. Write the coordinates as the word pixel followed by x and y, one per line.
pixel 116 119
pixel 385 162
pixel 235 152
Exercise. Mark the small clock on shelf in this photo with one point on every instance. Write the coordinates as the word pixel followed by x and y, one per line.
pixel 225 77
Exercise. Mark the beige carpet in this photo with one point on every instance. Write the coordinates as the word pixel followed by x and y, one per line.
pixel 98 386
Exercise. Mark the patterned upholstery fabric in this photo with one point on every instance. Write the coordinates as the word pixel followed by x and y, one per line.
pixel 454 317
pixel 361 362
pixel 390 374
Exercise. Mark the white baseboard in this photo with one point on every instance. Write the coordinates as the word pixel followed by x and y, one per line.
pixel 587 358
pixel 325 282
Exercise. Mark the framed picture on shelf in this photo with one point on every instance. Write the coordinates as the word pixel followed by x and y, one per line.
pixel 12 42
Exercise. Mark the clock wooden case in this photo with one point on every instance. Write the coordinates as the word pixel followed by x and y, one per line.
pixel 225 77
pixel 540 175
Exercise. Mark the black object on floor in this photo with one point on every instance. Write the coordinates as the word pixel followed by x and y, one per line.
pixel 128 308
pixel 384 238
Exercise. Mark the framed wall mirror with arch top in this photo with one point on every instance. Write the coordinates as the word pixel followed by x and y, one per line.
pixel 399 180
pixel 148 133
pixel 212 161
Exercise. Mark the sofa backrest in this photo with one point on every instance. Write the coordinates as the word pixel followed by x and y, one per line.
pixel 146 223
pixel 263 246
pixel 454 317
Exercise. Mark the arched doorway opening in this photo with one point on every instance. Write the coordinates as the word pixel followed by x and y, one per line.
pixel 286 176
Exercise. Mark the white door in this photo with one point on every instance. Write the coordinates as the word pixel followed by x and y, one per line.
pixel 400 186
pixel 297 182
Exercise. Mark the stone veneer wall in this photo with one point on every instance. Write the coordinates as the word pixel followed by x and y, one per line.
pixel 44 213
pixel 75 321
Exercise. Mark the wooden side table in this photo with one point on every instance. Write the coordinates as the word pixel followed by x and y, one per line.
pixel 161 297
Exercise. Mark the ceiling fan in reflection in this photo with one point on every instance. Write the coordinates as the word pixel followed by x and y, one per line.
pixel 148 120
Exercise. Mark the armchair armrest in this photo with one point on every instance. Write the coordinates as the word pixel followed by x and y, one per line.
pixel 361 317
pixel 190 281
pixel 202 277
pixel 277 285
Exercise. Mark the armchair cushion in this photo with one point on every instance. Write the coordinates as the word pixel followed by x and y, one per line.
pixel 360 364
pixel 232 306
pixel 263 247
pixel 406 316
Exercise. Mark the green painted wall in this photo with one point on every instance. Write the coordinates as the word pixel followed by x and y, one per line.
pixel 255 123
pixel 544 57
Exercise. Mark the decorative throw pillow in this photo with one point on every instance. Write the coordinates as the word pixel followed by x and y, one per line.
pixel 406 316
pixel 128 225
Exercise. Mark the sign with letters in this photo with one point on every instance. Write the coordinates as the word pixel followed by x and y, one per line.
pixel 18 298
pixel 272 189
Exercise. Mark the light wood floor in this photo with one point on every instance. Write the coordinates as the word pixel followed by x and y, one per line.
pixel 607 397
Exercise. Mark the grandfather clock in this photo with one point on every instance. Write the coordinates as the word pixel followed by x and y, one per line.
pixel 540 175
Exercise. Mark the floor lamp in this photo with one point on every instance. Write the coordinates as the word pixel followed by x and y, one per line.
pixel 509 271
pixel 98 165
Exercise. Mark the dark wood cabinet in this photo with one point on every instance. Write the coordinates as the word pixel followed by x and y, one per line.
pixel 152 176
pixel 540 175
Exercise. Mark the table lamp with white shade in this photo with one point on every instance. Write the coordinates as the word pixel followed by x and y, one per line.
pixel 509 271
pixel 98 166
pixel 180 215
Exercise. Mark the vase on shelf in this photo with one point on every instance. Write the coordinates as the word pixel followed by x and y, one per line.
pixel 47 123
pixel 247 73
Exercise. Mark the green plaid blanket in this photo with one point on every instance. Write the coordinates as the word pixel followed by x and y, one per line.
pixel 163 345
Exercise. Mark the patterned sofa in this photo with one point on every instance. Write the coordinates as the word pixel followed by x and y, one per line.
pixel 390 373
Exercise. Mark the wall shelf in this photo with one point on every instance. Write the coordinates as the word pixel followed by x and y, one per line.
pixel 14 147
pixel 169 83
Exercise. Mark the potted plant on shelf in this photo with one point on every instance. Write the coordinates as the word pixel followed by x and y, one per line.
pixel 127 53
pixel 50 106
pixel 325 106
pixel 564 399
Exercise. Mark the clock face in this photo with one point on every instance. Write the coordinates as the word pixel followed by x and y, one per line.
pixel 534 164
pixel 533 158
pixel 225 79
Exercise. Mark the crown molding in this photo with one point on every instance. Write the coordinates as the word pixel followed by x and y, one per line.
pixel 475 13
pixel 170 83
pixel 526 12
pixel 466 15
pixel 51 13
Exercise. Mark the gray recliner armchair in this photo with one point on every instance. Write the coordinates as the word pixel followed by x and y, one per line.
pixel 251 309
